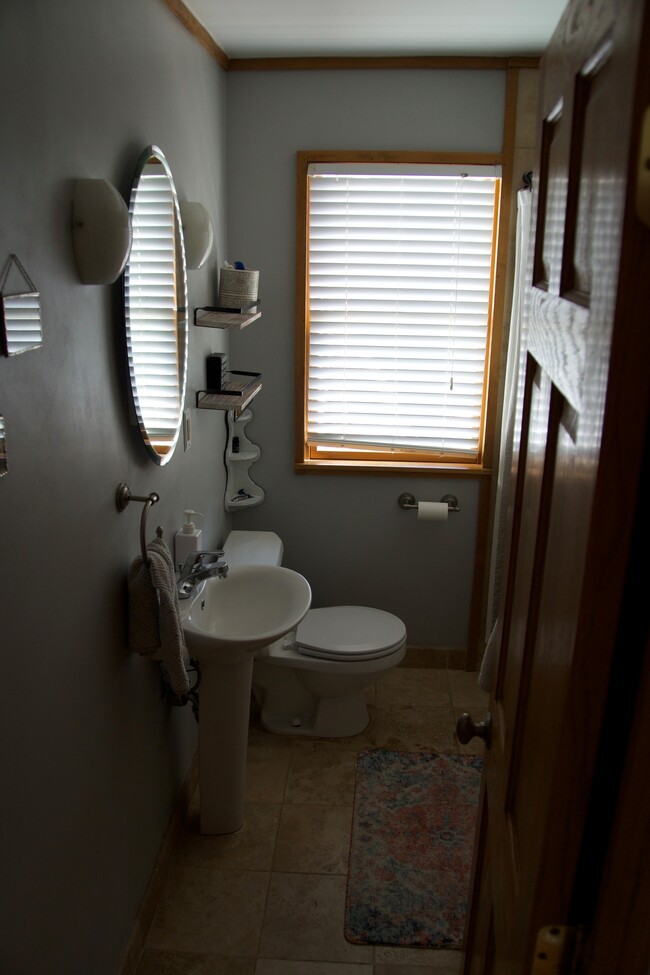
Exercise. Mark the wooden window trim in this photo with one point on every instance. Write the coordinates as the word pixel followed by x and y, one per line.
pixel 411 462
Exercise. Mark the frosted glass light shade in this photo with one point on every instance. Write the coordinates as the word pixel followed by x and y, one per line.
pixel 101 231
pixel 197 233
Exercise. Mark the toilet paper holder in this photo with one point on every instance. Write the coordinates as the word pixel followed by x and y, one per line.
pixel 407 501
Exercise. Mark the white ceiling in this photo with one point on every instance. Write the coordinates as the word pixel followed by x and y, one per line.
pixel 320 28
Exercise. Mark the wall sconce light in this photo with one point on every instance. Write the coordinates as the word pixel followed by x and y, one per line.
pixel 101 231
pixel 197 233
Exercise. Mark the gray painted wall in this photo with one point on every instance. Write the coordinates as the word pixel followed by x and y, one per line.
pixel 346 533
pixel 92 758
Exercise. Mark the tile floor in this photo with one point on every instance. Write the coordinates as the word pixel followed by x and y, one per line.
pixel 269 899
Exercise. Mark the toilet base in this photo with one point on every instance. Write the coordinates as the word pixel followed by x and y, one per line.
pixel 295 697
pixel 331 717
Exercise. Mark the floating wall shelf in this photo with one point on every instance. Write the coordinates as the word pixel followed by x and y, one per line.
pixel 237 388
pixel 210 317
pixel 236 392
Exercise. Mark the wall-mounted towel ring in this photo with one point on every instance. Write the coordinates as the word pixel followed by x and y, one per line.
pixel 122 498
pixel 407 501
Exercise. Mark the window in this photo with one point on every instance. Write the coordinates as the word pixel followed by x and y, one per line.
pixel 398 269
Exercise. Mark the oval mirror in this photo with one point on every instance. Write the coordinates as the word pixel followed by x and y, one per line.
pixel 155 306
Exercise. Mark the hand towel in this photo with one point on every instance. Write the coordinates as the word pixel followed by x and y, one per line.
pixel 154 613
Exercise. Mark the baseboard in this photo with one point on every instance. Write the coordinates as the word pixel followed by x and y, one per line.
pixel 442 658
pixel 135 945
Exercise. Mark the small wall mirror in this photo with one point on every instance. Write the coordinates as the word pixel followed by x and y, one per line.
pixel 155 306
pixel 20 310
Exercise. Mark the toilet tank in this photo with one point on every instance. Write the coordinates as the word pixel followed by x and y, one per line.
pixel 253 548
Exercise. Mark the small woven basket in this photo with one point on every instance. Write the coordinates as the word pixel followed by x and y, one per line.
pixel 237 287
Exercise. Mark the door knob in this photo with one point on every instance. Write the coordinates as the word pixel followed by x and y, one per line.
pixel 467 728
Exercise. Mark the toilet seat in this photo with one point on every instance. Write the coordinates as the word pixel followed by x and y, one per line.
pixel 349 633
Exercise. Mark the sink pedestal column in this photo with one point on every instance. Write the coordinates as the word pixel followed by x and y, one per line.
pixel 224 709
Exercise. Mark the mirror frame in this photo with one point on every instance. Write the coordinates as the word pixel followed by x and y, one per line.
pixel 3 447
pixel 159 449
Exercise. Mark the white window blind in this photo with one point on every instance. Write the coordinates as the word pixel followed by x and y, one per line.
pixel 399 290
pixel 150 289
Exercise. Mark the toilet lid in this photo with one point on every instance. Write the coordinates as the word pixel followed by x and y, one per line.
pixel 349 632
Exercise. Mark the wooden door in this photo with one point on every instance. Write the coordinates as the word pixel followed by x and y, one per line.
pixel 577 470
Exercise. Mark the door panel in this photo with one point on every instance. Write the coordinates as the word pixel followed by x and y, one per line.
pixel 591 92
pixel 550 198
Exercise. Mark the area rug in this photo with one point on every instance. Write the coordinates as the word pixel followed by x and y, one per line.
pixel 411 848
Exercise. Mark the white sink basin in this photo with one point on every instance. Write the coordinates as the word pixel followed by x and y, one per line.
pixel 251 608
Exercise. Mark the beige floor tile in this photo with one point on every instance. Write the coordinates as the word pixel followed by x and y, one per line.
pixel 270 899
pixel 457 659
pixel 354 743
pixel 323 777
pixel 427 961
pixel 415 687
pixel 184 963
pixel 268 966
pixel 417 729
pixel 313 839
pixel 219 911
pixel 250 848
pixel 259 738
pixel 266 773
pixel 465 692
pixel 304 920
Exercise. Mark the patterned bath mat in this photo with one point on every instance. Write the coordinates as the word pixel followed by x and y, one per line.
pixel 411 848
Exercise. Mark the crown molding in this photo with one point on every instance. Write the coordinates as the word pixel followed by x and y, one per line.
pixel 198 31
pixel 433 62
pixel 417 62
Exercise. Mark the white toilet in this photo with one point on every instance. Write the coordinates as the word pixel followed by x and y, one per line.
pixel 312 682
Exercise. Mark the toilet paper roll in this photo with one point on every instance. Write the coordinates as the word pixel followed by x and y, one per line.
pixel 433 510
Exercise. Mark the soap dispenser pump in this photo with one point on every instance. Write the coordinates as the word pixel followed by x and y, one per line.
pixel 188 539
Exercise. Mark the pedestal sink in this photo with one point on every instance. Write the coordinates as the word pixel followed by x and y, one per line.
pixel 225 621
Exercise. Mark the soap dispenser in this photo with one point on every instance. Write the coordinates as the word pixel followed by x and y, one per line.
pixel 188 539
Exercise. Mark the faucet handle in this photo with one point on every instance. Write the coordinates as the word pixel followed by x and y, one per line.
pixel 190 560
pixel 215 553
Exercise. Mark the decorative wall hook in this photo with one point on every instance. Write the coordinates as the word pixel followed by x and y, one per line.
pixel 123 496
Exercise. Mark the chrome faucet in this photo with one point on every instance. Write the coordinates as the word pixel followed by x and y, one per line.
pixel 198 566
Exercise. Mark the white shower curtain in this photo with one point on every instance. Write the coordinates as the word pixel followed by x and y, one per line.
pixel 516 350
